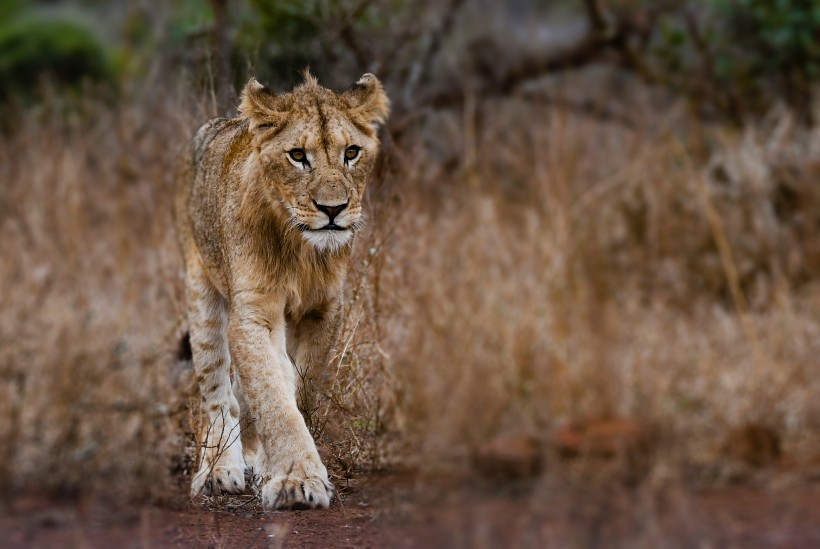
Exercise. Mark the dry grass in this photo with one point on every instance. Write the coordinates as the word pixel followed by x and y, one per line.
pixel 92 304
pixel 586 270
pixel 539 268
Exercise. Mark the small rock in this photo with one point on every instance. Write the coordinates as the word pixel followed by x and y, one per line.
pixel 754 444
pixel 606 438
pixel 509 458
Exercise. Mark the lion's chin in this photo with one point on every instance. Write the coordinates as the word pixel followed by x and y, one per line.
pixel 328 240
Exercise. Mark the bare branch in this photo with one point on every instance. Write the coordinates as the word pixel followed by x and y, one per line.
pixel 490 80
pixel 341 28
pixel 615 38
pixel 421 68
pixel 222 49
pixel 597 16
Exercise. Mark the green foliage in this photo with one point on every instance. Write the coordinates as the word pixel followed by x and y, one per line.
pixel 33 49
pixel 740 56
pixel 9 9
pixel 283 39
pixel 783 36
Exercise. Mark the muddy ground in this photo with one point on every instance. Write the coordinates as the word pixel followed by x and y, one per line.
pixel 402 509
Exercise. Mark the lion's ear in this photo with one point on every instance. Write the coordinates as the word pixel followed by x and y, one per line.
pixel 260 105
pixel 368 99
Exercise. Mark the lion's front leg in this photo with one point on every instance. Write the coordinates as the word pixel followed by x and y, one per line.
pixel 292 473
pixel 309 344
pixel 221 467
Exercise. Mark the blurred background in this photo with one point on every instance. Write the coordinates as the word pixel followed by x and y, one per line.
pixel 593 237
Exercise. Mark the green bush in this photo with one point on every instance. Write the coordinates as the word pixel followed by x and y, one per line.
pixel 741 56
pixel 35 49
pixel 776 40
pixel 284 38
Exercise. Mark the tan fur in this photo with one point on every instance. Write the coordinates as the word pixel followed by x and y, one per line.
pixel 263 282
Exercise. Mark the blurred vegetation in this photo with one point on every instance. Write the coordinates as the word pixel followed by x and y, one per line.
pixel 36 49
pixel 731 58
pixel 740 56
pixel 281 39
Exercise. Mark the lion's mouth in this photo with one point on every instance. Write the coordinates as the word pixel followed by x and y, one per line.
pixel 328 227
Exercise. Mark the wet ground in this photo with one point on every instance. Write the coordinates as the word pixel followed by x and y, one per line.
pixel 406 510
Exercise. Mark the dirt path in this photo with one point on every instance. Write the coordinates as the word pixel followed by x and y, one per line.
pixel 401 510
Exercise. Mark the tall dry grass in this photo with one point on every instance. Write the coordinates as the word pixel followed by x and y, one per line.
pixel 521 270
pixel 578 269
pixel 92 302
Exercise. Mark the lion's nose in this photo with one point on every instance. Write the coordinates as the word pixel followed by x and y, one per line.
pixel 331 211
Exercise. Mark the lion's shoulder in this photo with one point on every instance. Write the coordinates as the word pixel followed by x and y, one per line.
pixel 215 135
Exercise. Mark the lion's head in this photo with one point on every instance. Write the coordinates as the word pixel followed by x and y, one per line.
pixel 315 149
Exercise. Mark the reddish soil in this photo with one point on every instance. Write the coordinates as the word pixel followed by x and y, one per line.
pixel 403 510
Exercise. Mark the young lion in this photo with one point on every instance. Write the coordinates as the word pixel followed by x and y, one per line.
pixel 267 204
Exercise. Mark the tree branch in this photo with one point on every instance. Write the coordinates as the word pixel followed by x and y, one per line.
pixel 613 38
pixel 596 15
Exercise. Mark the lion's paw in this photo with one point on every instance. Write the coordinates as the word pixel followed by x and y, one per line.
pixel 225 478
pixel 222 480
pixel 305 486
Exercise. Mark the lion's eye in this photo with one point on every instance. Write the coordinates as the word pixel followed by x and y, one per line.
pixel 297 154
pixel 352 152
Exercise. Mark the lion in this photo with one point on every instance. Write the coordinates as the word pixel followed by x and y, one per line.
pixel 267 205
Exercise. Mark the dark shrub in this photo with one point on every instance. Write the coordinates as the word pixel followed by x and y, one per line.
pixel 35 49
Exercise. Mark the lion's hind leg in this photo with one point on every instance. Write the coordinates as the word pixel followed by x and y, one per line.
pixel 252 450
pixel 221 466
